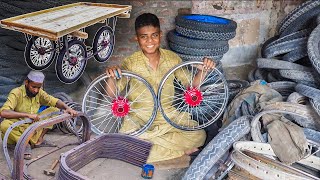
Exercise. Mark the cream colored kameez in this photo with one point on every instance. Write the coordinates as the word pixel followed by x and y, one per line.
pixel 168 142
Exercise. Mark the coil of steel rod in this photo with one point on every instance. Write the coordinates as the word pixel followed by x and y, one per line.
pixel 115 146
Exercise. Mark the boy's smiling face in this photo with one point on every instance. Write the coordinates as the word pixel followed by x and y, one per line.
pixel 149 39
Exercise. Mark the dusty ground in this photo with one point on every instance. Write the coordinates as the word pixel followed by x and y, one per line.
pixel 104 168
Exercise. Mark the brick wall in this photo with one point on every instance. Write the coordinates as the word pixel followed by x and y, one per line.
pixel 125 43
pixel 257 20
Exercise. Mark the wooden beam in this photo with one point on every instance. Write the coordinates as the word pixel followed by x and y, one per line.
pixel 80 34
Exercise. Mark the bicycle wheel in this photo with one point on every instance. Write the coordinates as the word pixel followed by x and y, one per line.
pixel 103 44
pixel 129 108
pixel 39 53
pixel 192 108
pixel 71 62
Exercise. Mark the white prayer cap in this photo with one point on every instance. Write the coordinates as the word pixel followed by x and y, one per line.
pixel 36 76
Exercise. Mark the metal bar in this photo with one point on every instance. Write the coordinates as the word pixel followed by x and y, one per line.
pixel 26 136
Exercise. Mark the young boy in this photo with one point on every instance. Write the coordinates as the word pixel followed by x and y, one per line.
pixel 152 62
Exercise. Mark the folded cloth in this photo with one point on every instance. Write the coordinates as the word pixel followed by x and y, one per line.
pixel 287 141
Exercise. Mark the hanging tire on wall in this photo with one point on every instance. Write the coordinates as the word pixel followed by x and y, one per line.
pixel 103 44
pixel 71 62
pixel 39 53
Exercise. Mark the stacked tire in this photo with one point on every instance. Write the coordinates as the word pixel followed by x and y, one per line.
pixel 293 54
pixel 197 36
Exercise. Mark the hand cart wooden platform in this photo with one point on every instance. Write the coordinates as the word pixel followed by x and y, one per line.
pixel 61 31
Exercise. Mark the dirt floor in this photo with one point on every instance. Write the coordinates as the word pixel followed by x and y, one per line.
pixel 107 168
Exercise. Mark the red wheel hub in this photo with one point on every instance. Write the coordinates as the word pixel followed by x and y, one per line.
pixel 42 50
pixel 192 96
pixel 105 44
pixel 120 107
pixel 73 61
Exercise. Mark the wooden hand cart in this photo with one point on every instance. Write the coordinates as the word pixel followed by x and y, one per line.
pixel 61 31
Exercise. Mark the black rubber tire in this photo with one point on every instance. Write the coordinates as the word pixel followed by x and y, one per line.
pixel 63 96
pixel 266 44
pixel 198 52
pixel 260 74
pixel 315 105
pixel 285 47
pixel 59 63
pixel 202 24
pixel 312 135
pixel 5 89
pixel 297 12
pixel 235 86
pixel 181 40
pixel 296 55
pixel 6 81
pixel 111 43
pixel 314 48
pixel 308 91
pixel 271 78
pixel 278 64
pixel 283 85
pixel 299 75
pixel 29 61
pixel 217 147
pixel 204 34
pixel 295 35
pixel 251 75
pixel 303 21
pixel 311 122
pixel 186 57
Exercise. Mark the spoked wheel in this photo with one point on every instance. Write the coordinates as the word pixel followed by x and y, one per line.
pixel 130 108
pixel 71 62
pixel 103 44
pixel 39 53
pixel 192 108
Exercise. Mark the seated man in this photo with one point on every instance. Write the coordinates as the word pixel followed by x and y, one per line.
pixel 24 102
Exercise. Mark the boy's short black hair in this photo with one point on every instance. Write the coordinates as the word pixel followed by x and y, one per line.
pixel 147 19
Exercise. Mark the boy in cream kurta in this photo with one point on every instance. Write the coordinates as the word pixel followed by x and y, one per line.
pixel 152 62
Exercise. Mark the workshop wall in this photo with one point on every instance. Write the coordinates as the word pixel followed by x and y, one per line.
pixel 257 21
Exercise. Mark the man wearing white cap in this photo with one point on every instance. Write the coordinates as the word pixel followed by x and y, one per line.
pixel 24 102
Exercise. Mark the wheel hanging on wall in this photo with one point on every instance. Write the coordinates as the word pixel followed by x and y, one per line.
pixel 103 44
pixel 39 53
pixel 72 62
pixel 192 108
pixel 130 108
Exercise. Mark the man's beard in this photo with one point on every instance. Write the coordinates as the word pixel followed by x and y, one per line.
pixel 29 93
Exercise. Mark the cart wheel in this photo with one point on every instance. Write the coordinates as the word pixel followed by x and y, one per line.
pixel 69 69
pixel 103 44
pixel 192 108
pixel 39 53
pixel 129 109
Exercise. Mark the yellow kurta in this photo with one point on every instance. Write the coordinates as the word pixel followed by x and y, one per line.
pixel 19 101
pixel 168 142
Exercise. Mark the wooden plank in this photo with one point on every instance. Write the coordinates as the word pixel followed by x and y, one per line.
pixel 57 22
pixel 80 34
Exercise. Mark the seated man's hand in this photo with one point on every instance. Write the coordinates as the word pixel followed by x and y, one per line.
pixel 71 112
pixel 114 72
pixel 34 117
